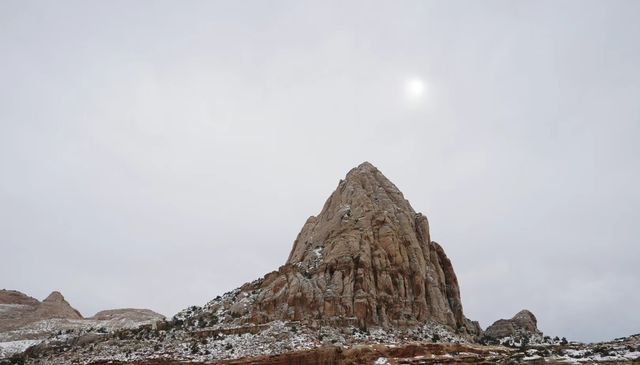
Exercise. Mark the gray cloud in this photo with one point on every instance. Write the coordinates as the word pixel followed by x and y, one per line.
pixel 157 154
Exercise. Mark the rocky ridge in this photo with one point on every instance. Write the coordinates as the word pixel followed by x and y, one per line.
pixel 18 309
pixel 25 321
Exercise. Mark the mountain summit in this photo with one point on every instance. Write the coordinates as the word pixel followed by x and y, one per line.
pixel 55 306
pixel 367 260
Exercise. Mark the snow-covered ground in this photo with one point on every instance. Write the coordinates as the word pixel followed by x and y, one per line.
pixel 226 342
pixel 11 347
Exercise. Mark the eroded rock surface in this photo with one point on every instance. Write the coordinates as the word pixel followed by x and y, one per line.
pixel 55 306
pixel 523 323
pixel 367 259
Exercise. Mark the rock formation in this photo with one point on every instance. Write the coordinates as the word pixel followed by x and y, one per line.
pixel 16 297
pixel 25 321
pixel 18 309
pixel 523 323
pixel 15 308
pixel 367 259
pixel 55 306
pixel 132 314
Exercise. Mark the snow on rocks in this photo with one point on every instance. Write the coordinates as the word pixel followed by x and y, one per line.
pixel 183 339
pixel 12 347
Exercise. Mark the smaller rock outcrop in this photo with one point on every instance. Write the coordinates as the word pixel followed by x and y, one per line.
pixel 523 323
pixel 132 314
pixel 55 306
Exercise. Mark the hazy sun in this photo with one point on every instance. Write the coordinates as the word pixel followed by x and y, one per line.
pixel 414 89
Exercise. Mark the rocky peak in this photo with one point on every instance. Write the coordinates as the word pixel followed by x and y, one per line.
pixel 526 320
pixel 18 309
pixel 364 193
pixel 523 323
pixel 55 297
pixel 366 259
pixel 55 306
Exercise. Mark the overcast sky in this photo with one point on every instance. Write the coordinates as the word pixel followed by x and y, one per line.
pixel 157 154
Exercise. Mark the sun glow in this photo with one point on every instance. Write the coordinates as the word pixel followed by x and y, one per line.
pixel 414 88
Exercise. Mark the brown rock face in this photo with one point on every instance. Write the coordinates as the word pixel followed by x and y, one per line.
pixel 524 322
pixel 55 306
pixel 15 297
pixel 366 259
pixel 14 308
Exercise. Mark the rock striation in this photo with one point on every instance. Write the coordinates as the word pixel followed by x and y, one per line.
pixel 523 323
pixel 367 259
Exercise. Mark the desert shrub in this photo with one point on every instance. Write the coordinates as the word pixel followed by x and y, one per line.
pixel 543 352
pixel 214 319
pixel 176 323
pixel 524 342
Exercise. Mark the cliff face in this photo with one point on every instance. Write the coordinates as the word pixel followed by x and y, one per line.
pixel 366 259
